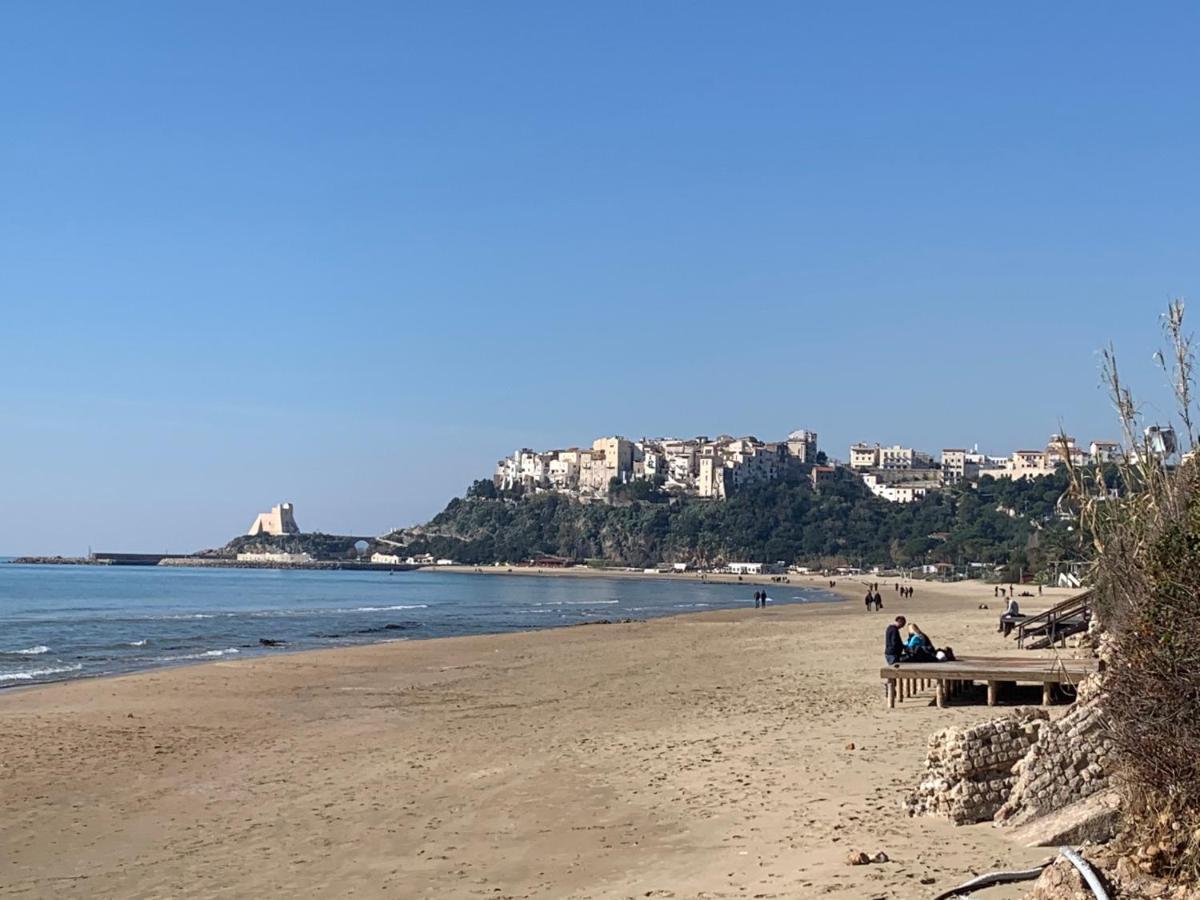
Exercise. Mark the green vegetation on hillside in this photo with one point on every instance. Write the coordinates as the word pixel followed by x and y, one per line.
pixel 315 544
pixel 1002 521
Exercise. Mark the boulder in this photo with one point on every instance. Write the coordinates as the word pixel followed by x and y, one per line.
pixel 1091 819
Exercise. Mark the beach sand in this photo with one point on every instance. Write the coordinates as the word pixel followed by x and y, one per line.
pixel 698 756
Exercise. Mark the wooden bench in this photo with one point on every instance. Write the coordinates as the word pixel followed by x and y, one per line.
pixel 948 679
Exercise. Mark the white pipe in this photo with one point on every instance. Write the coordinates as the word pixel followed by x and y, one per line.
pixel 1093 881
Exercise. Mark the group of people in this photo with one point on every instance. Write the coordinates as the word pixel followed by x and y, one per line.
pixel 760 599
pixel 917 647
pixel 1011 591
pixel 873 600
pixel 905 590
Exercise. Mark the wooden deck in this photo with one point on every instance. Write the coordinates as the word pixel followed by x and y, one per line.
pixel 947 679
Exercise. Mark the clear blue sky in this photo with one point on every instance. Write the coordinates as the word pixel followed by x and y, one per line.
pixel 350 254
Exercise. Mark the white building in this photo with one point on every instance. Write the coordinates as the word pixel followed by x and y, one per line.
pixel 1101 452
pixel 745 568
pixel 272 557
pixel 902 492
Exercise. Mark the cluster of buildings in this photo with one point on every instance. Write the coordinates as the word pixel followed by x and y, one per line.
pixel 699 466
pixel 902 474
pixel 715 468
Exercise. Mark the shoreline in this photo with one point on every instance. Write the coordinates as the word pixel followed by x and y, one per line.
pixel 263 652
pixel 704 752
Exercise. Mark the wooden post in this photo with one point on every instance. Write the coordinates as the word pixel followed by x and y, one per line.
pixel 891 693
pixel 1047 688
pixel 941 693
pixel 992 690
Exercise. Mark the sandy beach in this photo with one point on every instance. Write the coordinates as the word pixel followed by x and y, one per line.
pixel 704 755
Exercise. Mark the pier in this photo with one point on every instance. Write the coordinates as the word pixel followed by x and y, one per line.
pixel 950 679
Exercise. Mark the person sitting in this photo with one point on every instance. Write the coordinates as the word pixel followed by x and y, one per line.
pixel 918 647
pixel 893 643
pixel 1012 613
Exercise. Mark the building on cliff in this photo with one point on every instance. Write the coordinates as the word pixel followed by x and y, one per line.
pixel 280 520
pixel 694 466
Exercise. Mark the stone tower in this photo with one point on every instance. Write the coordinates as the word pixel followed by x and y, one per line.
pixel 278 521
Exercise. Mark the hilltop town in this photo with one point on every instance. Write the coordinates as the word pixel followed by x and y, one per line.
pixel 716 468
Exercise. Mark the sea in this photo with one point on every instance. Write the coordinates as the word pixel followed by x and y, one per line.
pixel 64 622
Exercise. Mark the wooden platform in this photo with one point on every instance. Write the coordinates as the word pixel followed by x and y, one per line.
pixel 947 679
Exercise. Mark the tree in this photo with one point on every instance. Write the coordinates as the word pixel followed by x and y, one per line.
pixel 483 489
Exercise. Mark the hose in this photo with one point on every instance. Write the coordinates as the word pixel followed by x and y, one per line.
pixel 990 879
pixel 993 878
pixel 1088 873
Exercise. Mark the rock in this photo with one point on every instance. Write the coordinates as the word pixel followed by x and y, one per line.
pixel 850 746
pixel 880 857
pixel 271 642
pixel 1060 881
pixel 1092 819
pixel 858 858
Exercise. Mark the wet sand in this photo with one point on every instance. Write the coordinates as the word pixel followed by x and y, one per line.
pixel 697 756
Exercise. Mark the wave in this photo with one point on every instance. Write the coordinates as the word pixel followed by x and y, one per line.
pixel 577 603
pixel 30 674
pixel 28 651
pixel 382 608
pixel 288 613
pixel 141 643
pixel 207 654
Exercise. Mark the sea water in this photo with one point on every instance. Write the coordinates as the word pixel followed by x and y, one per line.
pixel 64 622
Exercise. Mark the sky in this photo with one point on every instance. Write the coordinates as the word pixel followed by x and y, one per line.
pixel 348 255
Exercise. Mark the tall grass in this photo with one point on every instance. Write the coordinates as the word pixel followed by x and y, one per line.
pixel 1147 577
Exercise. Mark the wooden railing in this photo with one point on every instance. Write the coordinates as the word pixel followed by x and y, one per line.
pixel 1057 618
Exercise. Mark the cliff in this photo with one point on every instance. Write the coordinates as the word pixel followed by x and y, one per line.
pixel 780 520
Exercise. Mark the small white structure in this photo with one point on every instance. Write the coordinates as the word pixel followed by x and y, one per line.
pixel 268 557
pixel 385 559
pixel 745 568
pixel 280 520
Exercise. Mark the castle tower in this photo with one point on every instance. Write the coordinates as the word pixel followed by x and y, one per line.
pixel 280 520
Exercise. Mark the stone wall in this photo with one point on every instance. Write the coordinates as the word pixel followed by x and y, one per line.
pixel 1072 759
pixel 969 771
pixel 1017 767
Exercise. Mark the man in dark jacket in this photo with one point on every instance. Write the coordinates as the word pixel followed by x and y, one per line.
pixel 893 643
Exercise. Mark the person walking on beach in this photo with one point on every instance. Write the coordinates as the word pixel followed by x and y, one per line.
pixel 869 599
pixel 878 601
